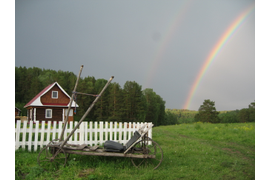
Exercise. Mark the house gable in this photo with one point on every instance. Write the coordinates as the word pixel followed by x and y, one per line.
pixel 44 97
pixel 61 100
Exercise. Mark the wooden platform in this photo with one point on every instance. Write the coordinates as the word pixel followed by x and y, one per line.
pixel 102 152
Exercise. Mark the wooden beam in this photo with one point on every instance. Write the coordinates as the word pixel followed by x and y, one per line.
pixel 72 98
pixel 111 154
pixel 87 112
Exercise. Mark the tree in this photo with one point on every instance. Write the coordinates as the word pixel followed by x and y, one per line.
pixel 229 117
pixel 134 103
pixel 155 107
pixel 247 114
pixel 152 106
pixel 102 106
pixel 162 114
pixel 170 118
pixel 115 102
pixel 251 108
pixel 207 112
pixel 251 105
pixel 86 85
pixel 243 115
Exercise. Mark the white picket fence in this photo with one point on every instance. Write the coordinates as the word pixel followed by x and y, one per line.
pixel 90 133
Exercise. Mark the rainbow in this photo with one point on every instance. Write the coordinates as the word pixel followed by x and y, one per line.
pixel 218 46
pixel 161 48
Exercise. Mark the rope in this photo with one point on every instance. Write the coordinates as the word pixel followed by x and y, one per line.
pixel 96 95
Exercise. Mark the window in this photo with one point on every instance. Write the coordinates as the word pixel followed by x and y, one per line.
pixel 48 113
pixel 54 94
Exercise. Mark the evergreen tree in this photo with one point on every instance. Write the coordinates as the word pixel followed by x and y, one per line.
pixel 115 102
pixel 134 108
pixel 251 108
pixel 247 114
pixel 86 85
pixel 152 106
pixel 243 115
pixel 207 112
pixel 101 106
pixel 161 115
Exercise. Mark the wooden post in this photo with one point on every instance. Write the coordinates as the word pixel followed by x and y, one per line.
pixel 72 98
pixel 87 112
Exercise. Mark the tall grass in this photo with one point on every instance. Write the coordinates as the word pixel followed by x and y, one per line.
pixel 191 151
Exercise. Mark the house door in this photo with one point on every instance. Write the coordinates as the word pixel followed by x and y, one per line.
pixel 70 117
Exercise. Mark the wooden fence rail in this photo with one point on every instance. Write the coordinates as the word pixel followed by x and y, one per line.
pixel 39 134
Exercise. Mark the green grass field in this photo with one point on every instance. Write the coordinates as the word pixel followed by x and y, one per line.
pixel 191 151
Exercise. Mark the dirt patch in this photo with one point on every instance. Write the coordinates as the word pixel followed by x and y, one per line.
pixel 231 151
pixel 22 175
pixel 184 136
pixel 235 152
pixel 86 172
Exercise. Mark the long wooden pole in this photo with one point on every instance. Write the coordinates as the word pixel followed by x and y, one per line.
pixel 87 112
pixel 71 101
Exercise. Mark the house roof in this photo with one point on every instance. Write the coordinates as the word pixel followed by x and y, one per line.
pixel 17 109
pixel 36 100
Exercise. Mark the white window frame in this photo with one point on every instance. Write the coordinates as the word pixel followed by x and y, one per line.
pixel 56 95
pixel 46 110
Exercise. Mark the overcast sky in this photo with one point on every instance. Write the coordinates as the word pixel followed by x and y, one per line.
pixel 159 44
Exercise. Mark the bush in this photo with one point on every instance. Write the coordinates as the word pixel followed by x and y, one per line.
pixel 185 120
pixel 229 117
pixel 170 119
pixel 247 115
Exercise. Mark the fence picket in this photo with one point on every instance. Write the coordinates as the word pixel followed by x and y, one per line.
pixel 42 132
pixel 48 132
pixel 111 130
pixel 30 136
pixel 17 136
pixel 36 135
pixel 95 130
pixel 106 131
pixel 90 130
pixel 54 130
pixel 115 131
pixel 100 132
pixel 85 134
pixel 24 134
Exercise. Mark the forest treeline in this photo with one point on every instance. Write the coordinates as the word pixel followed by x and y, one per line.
pixel 206 115
pixel 122 104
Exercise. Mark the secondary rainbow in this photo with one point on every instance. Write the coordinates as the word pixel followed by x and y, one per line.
pixel 162 46
pixel 218 46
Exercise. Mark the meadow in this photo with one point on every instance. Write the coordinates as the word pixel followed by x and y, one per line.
pixel 191 151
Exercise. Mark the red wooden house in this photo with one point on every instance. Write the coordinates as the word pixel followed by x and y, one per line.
pixel 51 104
